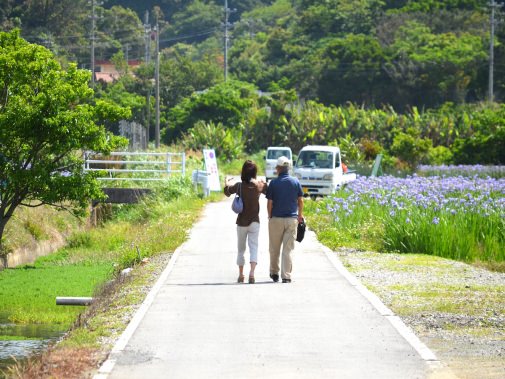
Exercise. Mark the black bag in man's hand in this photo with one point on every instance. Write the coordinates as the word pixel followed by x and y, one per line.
pixel 300 231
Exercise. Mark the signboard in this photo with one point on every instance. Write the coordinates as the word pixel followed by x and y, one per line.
pixel 211 168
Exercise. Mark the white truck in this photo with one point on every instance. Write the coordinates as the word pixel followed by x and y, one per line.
pixel 319 170
pixel 273 153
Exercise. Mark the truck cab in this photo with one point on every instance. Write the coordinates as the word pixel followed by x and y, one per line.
pixel 273 153
pixel 319 170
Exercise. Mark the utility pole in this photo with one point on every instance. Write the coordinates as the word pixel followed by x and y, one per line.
pixel 147 30
pixel 157 85
pixel 227 12
pixel 147 36
pixel 493 5
pixel 127 50
pixel 226 16
pixel 92 37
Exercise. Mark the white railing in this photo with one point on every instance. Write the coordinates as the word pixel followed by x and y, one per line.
pixel 151 166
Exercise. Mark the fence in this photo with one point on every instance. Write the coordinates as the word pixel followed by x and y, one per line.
pixel 142 166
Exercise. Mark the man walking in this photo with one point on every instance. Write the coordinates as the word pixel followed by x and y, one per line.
pixel 285 211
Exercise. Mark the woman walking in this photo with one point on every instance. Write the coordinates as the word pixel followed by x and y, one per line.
pixel 248 222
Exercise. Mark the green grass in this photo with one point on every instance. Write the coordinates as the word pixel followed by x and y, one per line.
pixel 29 293
pixel 17 338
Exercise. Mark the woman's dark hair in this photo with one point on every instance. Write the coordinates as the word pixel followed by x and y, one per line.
pixel 249 171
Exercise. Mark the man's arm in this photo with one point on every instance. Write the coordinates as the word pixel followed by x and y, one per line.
pixel 269 208
pixel 300 208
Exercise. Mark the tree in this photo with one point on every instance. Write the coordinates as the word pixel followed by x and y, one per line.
pixel 195 22
pixel 180 76
pixel 434 68
pixel 320 18
pixel 119 28
pixel 227 103
pixel 351 71
pixel 47 118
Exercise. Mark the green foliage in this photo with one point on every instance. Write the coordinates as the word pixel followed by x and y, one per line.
pixel 445 64
pixel 481 148
pixel 196 18
pixel 350 150
pixel 227 103
pixel 227 142
pixel 181 75
pixel 48 117
pixel 319 18
pixel 487 143
pixel 34 230
pixel 370 148
pixel 119 28
pixel 410 148
pixel 440 155
pixel 366 57
pixel 399 52
pixel 434 5
pixel 120 92
pixel 79 239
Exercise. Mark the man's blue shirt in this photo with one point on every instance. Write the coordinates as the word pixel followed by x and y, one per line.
pixel 284 192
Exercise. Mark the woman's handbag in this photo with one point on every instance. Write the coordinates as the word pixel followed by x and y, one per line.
pixel 238 205
pixel 300 231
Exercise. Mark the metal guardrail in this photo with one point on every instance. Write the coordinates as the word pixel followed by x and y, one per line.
pixel 147 164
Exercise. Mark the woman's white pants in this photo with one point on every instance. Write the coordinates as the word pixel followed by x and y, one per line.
pixel 251 234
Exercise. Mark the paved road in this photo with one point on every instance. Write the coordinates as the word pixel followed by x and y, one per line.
pixel 199 323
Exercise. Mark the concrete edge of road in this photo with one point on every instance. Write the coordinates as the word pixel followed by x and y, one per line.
pixel 406 332
pixel 107 366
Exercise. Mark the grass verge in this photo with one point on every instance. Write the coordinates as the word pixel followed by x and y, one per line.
pixel 141 236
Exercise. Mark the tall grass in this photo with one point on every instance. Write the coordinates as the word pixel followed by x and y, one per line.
pixel 458 218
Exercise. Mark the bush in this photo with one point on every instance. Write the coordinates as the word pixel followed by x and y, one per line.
pixel 481 148
pixel 227 103
pixel 79 239
pixel 227 142
pixel 410 148
pixel 439 155
pixel 370 149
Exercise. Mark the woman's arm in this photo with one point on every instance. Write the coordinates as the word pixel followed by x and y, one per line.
pixel 229 187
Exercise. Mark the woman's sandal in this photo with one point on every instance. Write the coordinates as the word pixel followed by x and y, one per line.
pixel 252 280
pixel 240 279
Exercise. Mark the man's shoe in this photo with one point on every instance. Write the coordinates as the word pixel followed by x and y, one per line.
pixel 274 277
pixel 286 280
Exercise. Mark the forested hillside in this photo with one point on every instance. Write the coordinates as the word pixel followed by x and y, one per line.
pixel 422 66
pixel 397 52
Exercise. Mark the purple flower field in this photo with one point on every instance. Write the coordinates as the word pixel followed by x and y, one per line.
pixel 462 170
pixel 456 217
